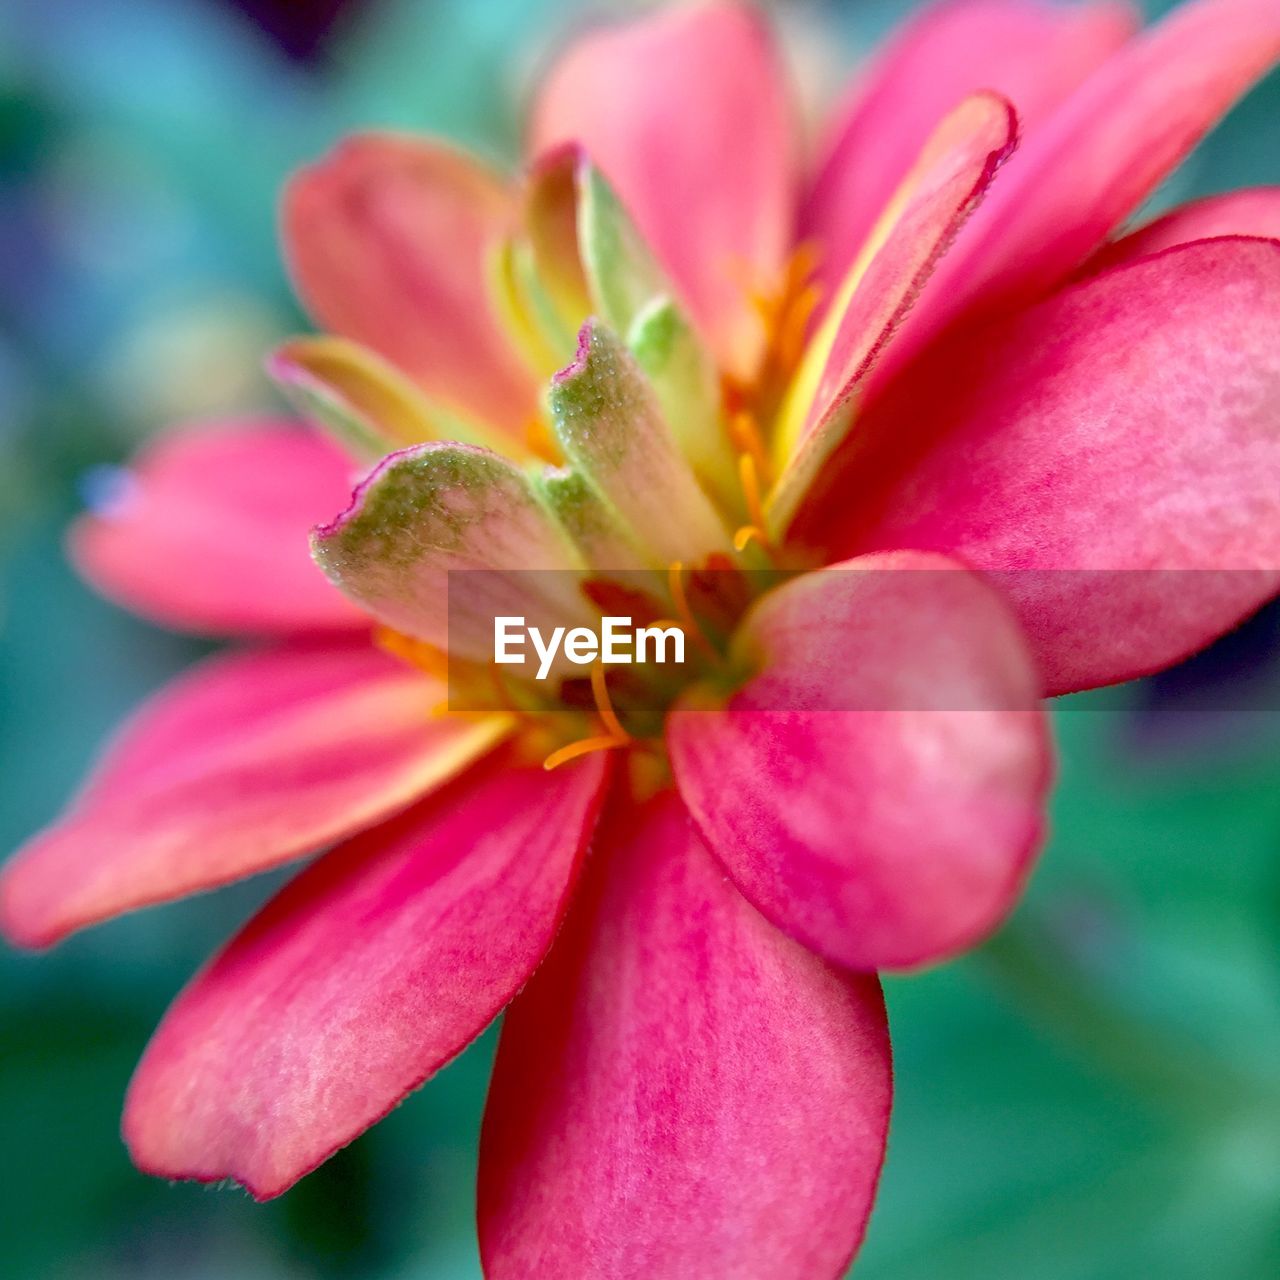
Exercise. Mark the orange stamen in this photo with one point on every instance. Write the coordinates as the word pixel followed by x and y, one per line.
pixel 603 705
pixel 744 431
pixel 766 306
pixel 755 531
pixel 785 305
pixel 684 614
pixel 540 441
pixel 417 653
pixel 580 748
pixel 793 327
pixel 751 487
pixel 802 263
pixel 795 307
pixel 617 735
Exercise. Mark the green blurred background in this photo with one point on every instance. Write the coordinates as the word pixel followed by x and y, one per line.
pixel 1094 1094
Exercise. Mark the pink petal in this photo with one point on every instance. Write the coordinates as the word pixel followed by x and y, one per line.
pixel 686 111
pixel 1251 212
pixel 248 761
pixel 681 1091
pixel 389 240
pixel 877 789
pixel 361 979
pixel 551 201
pixel 1103 152
pixel 1032 52
pixel 949 178
pixel 1128 424
pixel 208 531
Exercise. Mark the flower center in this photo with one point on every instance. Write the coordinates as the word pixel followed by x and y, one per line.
pixel 606 704
pixel 642 468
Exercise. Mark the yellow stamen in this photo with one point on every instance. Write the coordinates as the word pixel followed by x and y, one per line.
pixel 746 534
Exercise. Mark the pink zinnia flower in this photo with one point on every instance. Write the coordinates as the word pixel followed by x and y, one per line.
pixel 695 1079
